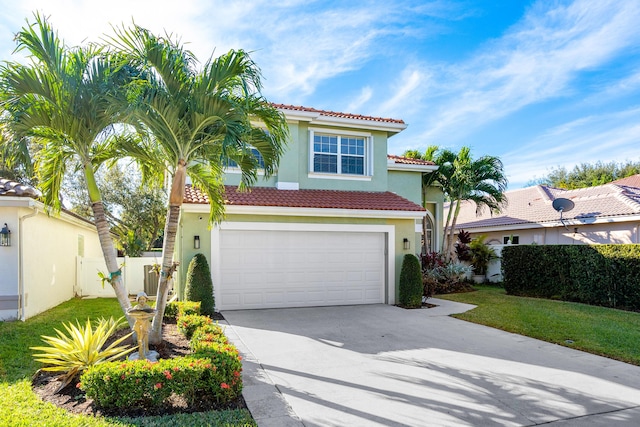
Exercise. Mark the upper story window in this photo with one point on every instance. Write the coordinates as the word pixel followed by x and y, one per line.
pixel 340 154
pixel 233 165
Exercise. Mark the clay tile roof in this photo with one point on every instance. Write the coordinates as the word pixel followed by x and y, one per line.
pixel 337 114
pixel 534 205
pixel 325 199
pixel 408 161
pixel 16 189
pixel 630 181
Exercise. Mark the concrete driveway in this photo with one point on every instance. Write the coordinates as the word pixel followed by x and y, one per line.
pixel 379 365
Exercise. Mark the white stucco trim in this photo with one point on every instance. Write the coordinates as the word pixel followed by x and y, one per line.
pixel 393 166
pixel 318 212
pixel 282 185
pixel 343 228
pixel 28 202
pixel 342 177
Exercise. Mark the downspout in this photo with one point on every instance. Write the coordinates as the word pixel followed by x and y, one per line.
pixel 21 292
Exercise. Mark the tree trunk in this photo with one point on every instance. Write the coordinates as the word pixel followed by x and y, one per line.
pixel 109 253
pixel 106 242
pixel 445 234
pixel 170 232
pixel 452 232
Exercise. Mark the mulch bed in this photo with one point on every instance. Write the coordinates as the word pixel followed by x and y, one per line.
pixel 73 399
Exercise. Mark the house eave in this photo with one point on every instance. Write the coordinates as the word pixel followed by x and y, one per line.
pixel 307 212
pixel 317 118
pixel 573 222
pixel 393 166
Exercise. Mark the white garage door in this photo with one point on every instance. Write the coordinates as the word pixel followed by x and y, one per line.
pixel 269 269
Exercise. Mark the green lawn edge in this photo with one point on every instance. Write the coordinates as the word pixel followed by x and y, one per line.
pixel 598 330
pixel 22 407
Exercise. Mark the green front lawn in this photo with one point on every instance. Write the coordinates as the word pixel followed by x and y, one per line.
pixel 21 407
pixel 604 331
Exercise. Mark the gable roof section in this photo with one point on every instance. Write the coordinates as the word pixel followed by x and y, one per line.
pixel 630 181
pixel 408 161
pixel 315 199
pixel 533 205
pixel 333 118
pixel 401 163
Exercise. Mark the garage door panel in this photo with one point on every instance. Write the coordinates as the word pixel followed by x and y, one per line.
pixel 263 269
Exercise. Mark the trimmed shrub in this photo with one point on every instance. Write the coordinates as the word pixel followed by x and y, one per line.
pixel 605 275
pixel 199 286
pixel 175 309
pixel 189 323
pixel 148 385
pixel 205 334
pixel 411 282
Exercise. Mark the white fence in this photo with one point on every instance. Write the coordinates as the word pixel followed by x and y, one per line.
pixel 88 283
pixel 494 273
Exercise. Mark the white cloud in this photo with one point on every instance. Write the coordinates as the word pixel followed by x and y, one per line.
pixel 356 104
pixel 536 61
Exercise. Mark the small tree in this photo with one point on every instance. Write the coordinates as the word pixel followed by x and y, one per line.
pixel 481 255
pixel 411 282
pixel 199 286
pixel 462 247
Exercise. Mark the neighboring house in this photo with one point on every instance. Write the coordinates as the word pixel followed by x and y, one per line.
pixel 330 228
pixel 604 214
pixel 38 268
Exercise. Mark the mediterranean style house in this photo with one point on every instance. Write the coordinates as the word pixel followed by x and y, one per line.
pixel 604 214
pixel 330 228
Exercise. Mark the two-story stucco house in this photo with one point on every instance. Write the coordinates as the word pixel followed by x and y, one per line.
pixel 330 228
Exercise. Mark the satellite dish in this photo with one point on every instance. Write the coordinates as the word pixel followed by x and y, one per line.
pixel 562 205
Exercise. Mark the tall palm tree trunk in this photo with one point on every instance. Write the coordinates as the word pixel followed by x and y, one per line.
pixel 106 242
pixel 109 253
pixel 168 268
pixel 445 234
pixel 452 231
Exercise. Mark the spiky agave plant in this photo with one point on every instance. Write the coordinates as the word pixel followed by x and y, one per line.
pixel 82 348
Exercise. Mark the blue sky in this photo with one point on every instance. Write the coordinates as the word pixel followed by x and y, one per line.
pixel 541 84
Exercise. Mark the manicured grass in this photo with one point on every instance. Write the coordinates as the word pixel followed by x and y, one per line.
pixel 21 407
pixel 604 331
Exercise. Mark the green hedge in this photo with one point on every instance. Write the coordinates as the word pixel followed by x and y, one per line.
pixel 605 275
pixel 176 309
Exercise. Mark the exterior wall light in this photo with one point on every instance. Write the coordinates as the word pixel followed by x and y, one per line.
pixel 196 242
pixel 406 244
pixel 5 236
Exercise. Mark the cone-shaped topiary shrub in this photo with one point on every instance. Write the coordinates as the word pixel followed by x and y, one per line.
pixel 410 282
pixel 199 286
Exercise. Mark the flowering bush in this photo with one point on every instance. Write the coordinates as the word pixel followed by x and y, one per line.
pixel 188 323
pixel 148 385
pixel 213 372
pixel 228 362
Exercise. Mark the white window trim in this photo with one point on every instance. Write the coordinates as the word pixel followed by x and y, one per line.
pixel 368 155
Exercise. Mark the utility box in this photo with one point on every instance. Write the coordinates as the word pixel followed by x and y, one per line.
pixel 150 281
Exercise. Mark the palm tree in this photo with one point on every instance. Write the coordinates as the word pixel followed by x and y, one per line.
pixel 462 178
pixel 60 100
pixel 196 121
